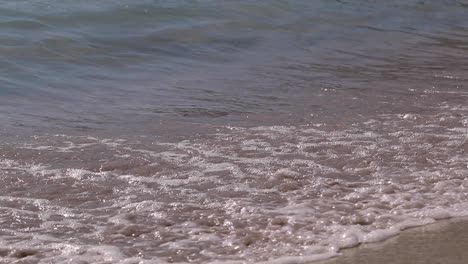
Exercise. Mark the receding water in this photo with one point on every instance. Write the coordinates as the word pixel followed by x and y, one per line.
pixel 214 131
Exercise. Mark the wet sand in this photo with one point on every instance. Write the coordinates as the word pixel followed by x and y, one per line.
pixel 445 242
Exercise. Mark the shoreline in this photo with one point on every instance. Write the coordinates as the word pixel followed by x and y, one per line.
pixel 445 241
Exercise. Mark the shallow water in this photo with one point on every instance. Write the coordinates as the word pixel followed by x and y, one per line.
pixel 216 131
pixel 86 65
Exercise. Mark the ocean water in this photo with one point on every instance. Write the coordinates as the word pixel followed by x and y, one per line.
pixel 201 131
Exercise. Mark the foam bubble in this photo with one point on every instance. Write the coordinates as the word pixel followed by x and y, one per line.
pixel 283 194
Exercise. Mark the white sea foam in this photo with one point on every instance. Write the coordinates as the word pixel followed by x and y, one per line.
pixel 283 194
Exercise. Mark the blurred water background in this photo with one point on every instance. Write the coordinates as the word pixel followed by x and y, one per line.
pixel 92 65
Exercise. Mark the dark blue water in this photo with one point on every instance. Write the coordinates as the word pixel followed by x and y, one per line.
pixel 87 64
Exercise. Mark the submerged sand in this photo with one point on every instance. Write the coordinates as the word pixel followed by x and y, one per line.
pixel 445 242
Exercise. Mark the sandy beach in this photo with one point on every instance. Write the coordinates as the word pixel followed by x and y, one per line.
pixel 445 242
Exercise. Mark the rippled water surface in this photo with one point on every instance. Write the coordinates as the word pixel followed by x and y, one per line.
pixel 215 131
